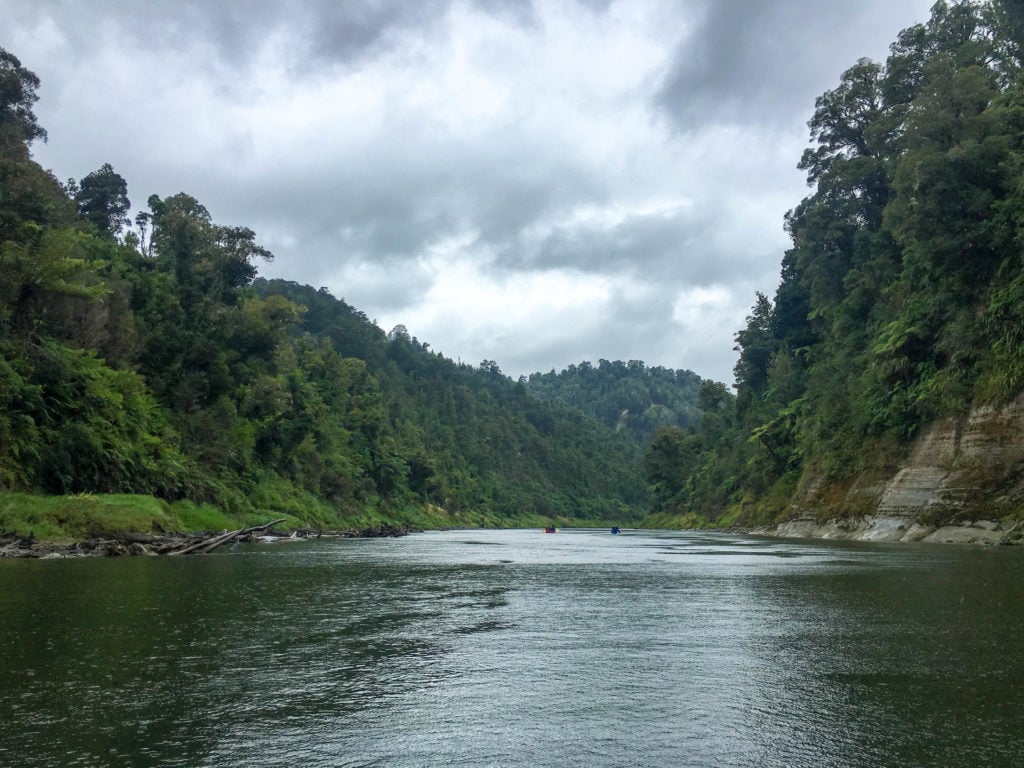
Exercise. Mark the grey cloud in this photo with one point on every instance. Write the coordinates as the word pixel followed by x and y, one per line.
pixel 730 60
pixel 519 12
pixel 763 62
pixel 392 288
pixel 392 207
pixel 682 246
pixel 644 328
pixel 631 328
pixel 342 31
pixel 647 315
pixel 334 213
pixel 323 31
pixel 648 311
pixel 332 31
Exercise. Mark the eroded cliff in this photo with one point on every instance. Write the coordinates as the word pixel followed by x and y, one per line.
pixel 962 483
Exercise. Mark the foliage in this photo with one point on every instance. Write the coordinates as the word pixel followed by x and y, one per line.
pixel 66 518
pixel 464 438
pixel 629 397
pixel 150 361
pixel 102 198
pixel 900 299
pixel 18 124
pixel 153 361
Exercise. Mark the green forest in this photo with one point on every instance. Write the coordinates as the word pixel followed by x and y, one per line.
pixel 901 300
pixel 144 366
pixel 146 369
pixel 631 398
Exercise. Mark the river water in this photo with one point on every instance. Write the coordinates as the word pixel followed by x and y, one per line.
pixel 517 648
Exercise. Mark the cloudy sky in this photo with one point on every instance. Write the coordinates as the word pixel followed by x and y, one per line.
pixel 537 183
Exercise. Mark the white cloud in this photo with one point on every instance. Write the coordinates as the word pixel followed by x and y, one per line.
pixel 536 184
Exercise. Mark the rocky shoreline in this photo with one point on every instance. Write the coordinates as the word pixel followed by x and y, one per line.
pixel 158 543
pixel 899 529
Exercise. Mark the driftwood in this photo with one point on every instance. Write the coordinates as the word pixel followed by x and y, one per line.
pixel 100 544
pixel 210 544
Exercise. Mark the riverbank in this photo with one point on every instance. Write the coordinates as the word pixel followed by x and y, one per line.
pixel 115 525
pixel 35 525
pixel 900 529
pixel 129 544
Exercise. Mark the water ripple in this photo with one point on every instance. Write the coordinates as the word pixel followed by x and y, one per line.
pixel 587 649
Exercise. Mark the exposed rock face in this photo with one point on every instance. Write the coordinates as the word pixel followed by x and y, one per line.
pixel 901 529
pixel 962 463
pixel 963 483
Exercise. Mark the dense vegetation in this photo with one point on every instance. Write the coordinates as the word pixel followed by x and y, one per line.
pixel 628 397
pixel 144 357
pixel 469 439
pixel 902 297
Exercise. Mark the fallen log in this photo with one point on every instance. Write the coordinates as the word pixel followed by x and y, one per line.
pixel 209 544
pixel 114 544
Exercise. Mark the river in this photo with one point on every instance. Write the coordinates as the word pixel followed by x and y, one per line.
pixel 517 648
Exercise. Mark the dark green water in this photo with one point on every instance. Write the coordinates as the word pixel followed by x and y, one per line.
pixel 518 648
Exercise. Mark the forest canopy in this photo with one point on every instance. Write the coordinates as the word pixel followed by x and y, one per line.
pixel 901 299
pixel 144 356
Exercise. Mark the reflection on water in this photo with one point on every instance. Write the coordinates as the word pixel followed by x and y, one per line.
pixel 518 648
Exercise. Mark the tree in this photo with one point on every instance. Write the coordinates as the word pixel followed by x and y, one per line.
pixel 102 198
pixel 37 278
pixel 852 137
pixel 18 124
pixel 490 367
pixel 210 262
pixel 670 462
pixel 755 343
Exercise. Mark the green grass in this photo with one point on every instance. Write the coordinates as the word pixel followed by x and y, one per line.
pixel 69 518
pixel 65 519
pixel 202 518
pixel 73 518
pixel 682 522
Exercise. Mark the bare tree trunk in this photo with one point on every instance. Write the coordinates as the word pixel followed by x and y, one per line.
pixel 209 544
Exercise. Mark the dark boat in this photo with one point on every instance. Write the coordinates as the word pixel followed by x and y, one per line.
pixel 550 529
pixel 615 529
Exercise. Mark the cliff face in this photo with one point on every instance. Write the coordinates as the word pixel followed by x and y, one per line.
pixel 963 483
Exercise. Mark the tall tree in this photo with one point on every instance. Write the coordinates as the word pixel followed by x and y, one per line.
pixel 210 261
pixel 18 124
pixel 102 198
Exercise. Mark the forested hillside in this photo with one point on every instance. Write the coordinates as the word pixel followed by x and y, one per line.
pixel 144 357
pixel 902 297
pixel 469 437
pixel 628 397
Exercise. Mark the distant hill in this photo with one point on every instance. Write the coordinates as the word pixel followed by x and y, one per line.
pixel 628 397
pixel 474 439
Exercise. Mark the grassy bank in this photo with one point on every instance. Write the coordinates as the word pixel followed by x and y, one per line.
pixel 65 519
pixel 72 518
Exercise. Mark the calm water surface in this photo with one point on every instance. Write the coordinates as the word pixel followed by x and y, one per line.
pixel 516 648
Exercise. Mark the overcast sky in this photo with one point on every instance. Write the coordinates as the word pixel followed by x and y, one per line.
pixel 537 183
